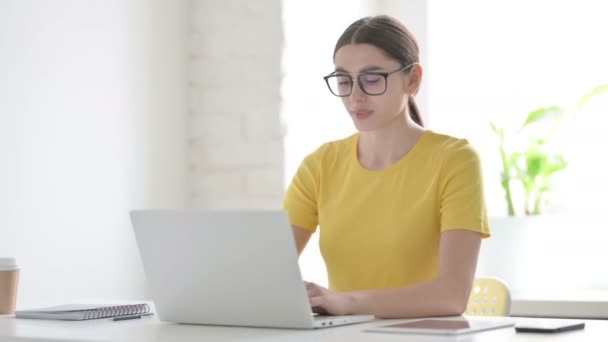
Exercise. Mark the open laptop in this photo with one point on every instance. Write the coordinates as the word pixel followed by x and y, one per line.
pixel 236 268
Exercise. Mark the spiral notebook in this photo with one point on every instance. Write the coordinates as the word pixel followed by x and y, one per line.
pixel 79 312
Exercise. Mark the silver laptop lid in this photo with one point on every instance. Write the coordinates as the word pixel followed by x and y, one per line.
pixel 224 267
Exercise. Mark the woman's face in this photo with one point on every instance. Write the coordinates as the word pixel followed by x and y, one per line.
pixel 373 112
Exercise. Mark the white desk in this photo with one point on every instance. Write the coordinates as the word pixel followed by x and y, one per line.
pixel 580 304
pixel 149 329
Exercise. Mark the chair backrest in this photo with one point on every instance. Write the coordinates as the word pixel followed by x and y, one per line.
pixel 489 297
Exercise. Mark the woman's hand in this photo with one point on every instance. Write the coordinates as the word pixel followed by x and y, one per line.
pixel 326 302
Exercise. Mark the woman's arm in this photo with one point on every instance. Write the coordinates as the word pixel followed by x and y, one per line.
pixel 445 295
pixel 301 236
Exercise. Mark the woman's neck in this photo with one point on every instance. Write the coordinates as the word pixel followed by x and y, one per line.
pixel 382 148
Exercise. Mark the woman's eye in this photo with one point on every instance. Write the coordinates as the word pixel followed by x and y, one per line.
pixel 371 79
pixel 343 81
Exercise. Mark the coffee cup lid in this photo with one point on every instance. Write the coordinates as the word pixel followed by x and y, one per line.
pixel 8 263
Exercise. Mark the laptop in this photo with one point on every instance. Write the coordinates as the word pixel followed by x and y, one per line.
pixel 236 268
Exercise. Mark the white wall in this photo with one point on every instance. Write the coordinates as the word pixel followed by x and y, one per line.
pixel 236 133
pixel 92 125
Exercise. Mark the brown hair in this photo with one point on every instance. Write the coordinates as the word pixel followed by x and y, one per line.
pixel 390 36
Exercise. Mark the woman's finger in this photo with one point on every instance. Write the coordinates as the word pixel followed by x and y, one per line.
pixel 313 291
pixel 310 284
pixel 317 301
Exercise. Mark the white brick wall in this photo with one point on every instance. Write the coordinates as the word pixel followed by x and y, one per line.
pixel 235 133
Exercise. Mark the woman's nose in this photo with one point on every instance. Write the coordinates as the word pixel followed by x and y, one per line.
pixel 357 93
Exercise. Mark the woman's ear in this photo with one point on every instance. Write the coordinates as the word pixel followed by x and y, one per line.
pixel 414 79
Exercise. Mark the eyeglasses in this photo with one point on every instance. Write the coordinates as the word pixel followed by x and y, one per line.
pixel 371 83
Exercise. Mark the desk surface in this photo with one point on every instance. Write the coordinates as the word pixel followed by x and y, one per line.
pixel 150 329
pixel 579 304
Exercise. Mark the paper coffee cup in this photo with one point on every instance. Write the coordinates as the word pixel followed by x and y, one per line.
pixel 9 279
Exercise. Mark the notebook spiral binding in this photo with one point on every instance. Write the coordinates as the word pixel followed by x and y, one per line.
pixel 118 310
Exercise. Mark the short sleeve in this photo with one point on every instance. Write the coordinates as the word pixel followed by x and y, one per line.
pixel 302 197
pixel 462 194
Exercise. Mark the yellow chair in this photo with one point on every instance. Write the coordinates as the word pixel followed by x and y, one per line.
pixel 489 297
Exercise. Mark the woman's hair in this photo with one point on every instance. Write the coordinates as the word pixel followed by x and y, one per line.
pixel 390 36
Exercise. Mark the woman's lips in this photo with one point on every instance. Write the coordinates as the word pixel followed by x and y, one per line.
pixel 363 114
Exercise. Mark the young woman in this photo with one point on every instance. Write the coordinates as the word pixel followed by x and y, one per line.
pixel 400 208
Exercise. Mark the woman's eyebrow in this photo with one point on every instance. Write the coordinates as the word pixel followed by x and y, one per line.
pixel 371 68
pixel 366 69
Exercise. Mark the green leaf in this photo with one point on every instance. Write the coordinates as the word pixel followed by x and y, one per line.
pixel 499 131
pixel 556 165
pixel 542 113
pixel 597 91
pixel 535 164
pixel 514 158
pixel 493 126
pixel 528 185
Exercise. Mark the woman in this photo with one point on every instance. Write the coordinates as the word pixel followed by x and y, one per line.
pixel 400 208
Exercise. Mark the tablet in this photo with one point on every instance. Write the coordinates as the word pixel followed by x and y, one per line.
pixel 548 326
pixel 434 326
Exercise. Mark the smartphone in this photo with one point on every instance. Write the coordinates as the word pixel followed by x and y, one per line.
pixel 548 326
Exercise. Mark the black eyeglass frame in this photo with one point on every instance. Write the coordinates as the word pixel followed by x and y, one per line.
pixel 352 84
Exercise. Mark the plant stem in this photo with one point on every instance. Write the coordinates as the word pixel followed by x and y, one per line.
pixel 506 176
pixel 537 203
pixel 506 184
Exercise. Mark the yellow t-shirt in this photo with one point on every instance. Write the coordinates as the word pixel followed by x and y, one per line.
pixel 381 229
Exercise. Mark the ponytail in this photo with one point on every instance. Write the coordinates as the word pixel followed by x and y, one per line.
pixel 414 111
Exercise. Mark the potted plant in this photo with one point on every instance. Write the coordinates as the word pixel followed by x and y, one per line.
pixel 527 156
pixel 530 159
